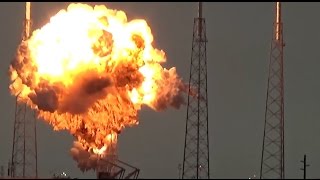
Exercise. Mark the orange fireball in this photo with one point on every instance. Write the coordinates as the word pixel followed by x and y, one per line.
pixel 89 71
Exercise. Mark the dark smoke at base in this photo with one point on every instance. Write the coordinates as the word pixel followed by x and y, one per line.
pixel 86 160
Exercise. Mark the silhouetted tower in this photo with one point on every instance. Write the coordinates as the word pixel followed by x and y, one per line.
pixel 305 165
pixel 24 150
pixel 272 161
pixel 196 147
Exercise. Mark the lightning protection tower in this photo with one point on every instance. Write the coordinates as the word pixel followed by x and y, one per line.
pixel 24 149
pixel 196 147
pixel 272 161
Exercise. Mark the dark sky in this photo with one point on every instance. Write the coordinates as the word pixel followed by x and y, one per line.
pixel 239 36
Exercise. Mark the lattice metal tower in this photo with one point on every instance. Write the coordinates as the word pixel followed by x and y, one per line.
pixel 24 150
pixel 196 147
pixel 272 161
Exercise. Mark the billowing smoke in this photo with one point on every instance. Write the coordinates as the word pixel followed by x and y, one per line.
pixel 170 97
pixel 86 160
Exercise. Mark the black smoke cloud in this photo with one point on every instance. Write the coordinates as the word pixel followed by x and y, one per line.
pixel 46 99
pixel 86 89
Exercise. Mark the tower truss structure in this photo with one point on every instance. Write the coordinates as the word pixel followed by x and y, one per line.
pixel 196 146
pixel 272 160
pixel 24 147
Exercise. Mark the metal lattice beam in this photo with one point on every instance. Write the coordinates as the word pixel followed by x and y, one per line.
pixel 24 147
pixel 196 148
pixel 272 161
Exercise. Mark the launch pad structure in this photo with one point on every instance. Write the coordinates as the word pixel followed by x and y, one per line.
pixel 110 167
pixel 116 169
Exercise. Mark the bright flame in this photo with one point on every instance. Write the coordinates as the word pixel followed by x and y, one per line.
pixel 27 23
pixel 278 14
pixel 89 71
pixel 100 151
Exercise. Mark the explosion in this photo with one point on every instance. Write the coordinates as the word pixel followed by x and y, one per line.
pixel 89 71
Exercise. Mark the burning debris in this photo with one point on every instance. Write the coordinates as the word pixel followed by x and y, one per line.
pixel 89 71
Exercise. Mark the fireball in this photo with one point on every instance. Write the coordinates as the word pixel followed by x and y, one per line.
pixel 89 71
